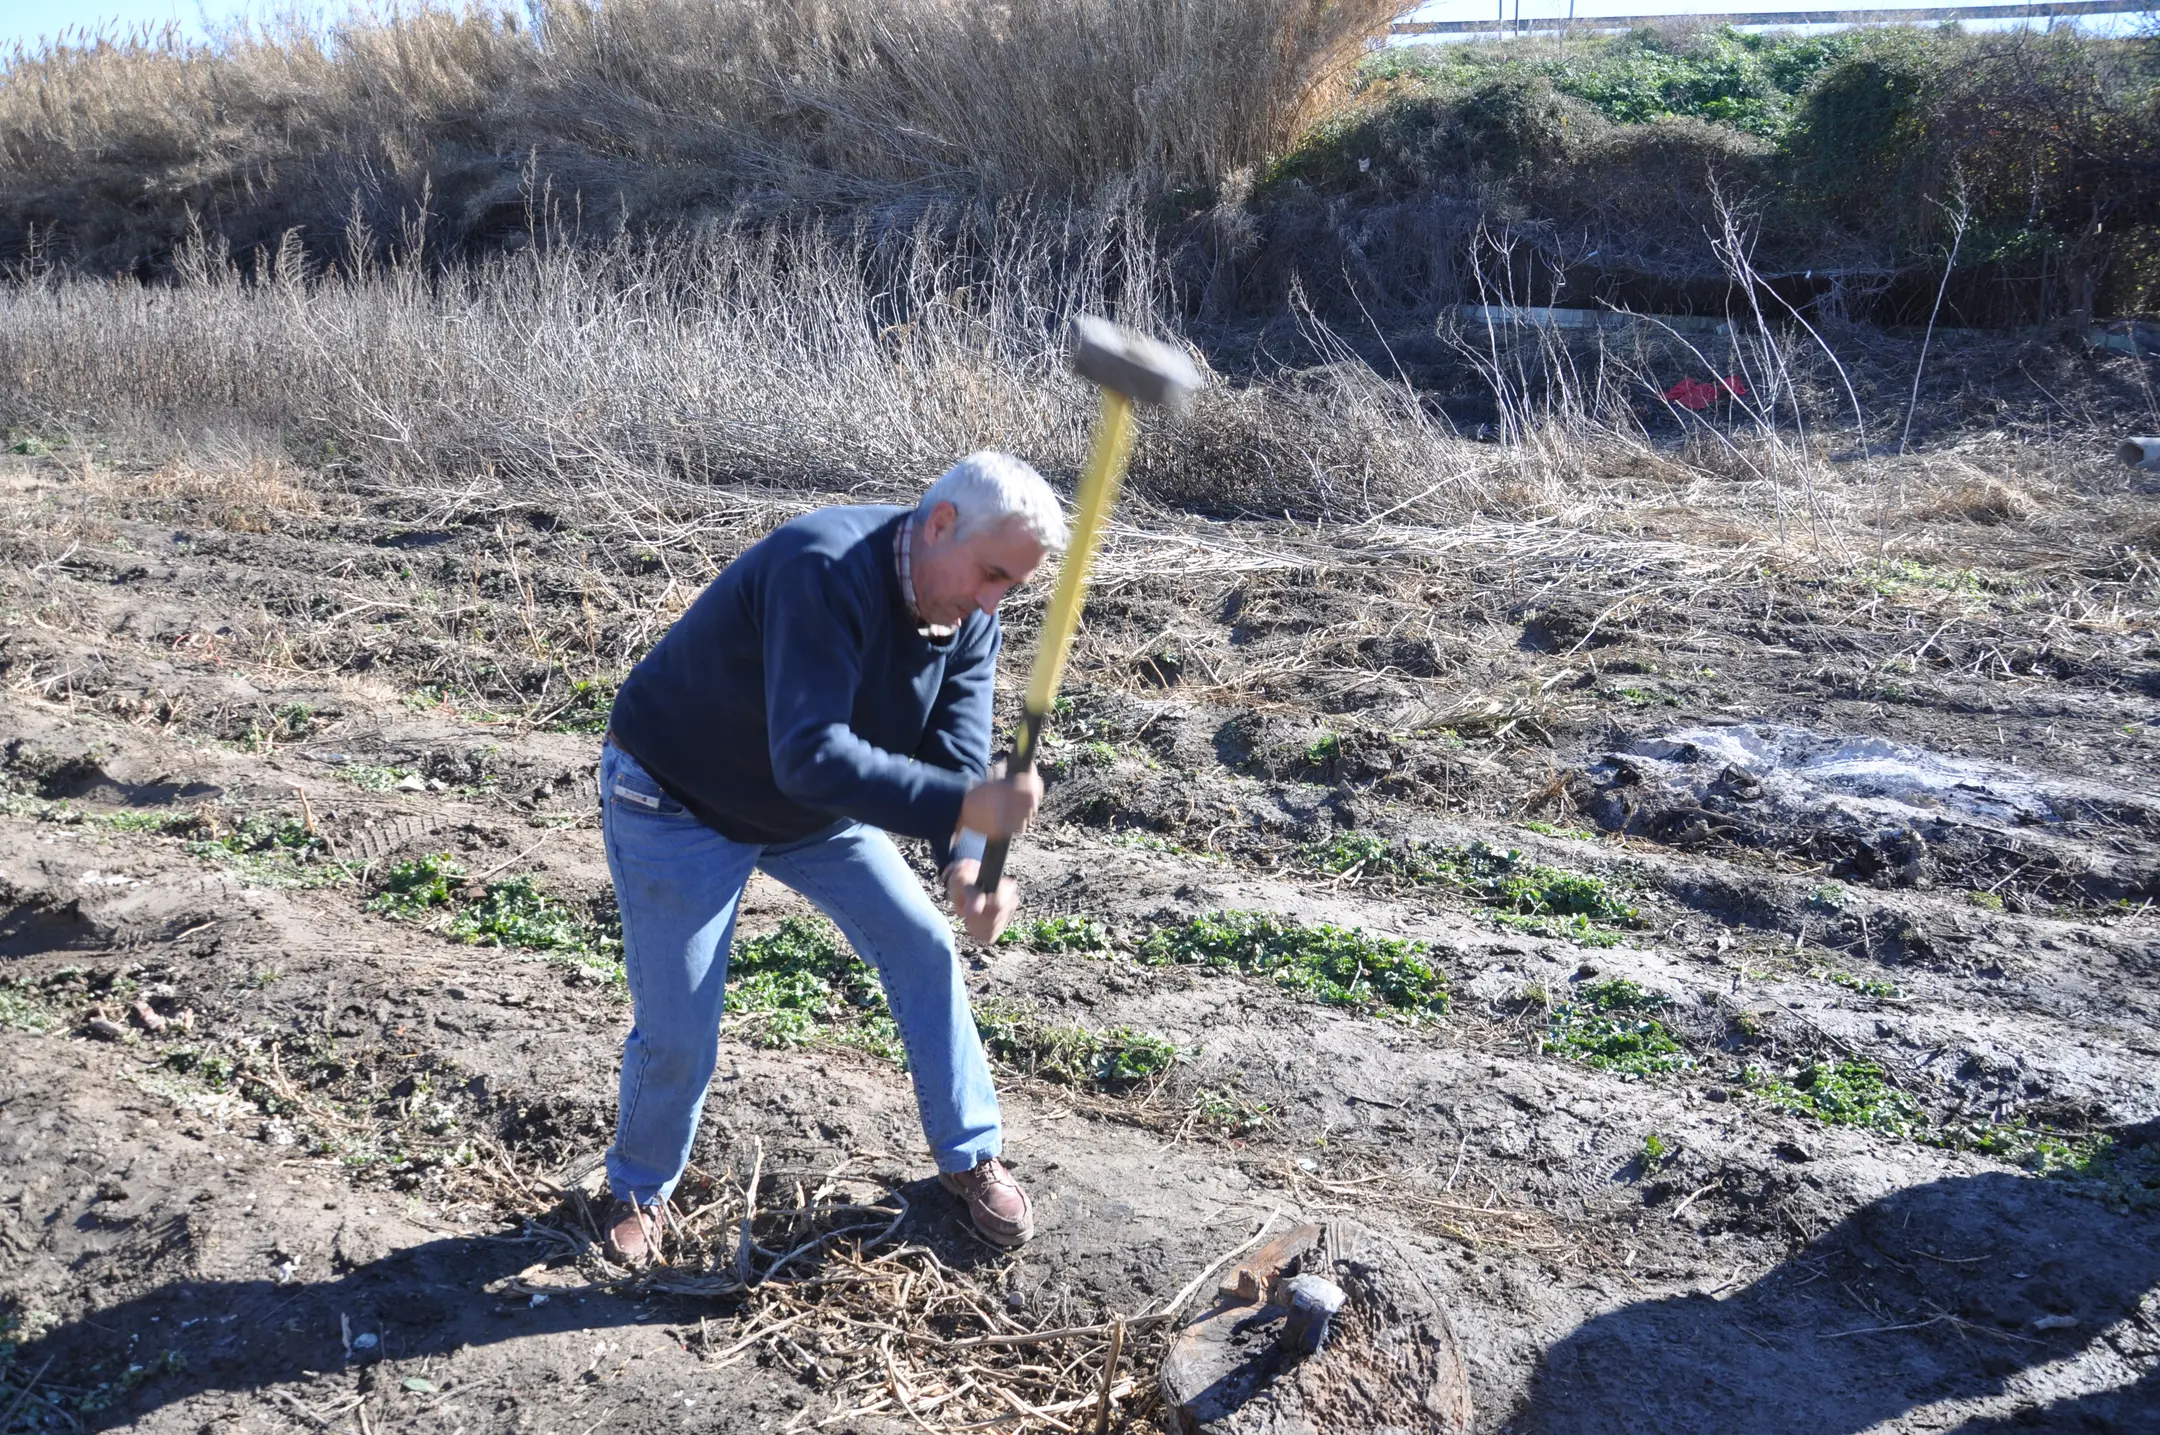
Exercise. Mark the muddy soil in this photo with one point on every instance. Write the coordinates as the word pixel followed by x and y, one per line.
pixel 1794 906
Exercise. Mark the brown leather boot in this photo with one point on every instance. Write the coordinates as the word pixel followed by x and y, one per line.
pixel 631 1233
pixel 1001 1211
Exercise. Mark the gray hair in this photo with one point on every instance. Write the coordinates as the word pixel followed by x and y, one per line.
pixel 989 487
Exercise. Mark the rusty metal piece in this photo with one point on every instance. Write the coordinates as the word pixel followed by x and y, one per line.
pixel 1253 1279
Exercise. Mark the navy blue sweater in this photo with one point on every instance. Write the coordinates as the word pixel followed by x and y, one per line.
pixel 797 691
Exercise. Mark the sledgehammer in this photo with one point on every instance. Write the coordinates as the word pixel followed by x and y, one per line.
pixel 1129 369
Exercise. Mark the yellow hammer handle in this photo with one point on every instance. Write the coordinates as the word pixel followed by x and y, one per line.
pixel 1098 494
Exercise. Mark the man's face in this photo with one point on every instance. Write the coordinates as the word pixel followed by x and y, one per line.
pixel 955 576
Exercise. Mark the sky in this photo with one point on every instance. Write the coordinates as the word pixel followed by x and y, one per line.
pixel 31 21
pixel 1590 9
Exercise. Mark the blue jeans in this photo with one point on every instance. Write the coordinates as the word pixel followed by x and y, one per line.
pixel 679 883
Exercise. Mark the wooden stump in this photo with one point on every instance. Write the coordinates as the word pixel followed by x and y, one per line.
pixel 1391 1363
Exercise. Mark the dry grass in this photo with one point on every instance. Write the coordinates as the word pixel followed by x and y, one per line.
pixel 688 396
pixel 629 382
pixel 250 493
pixel 655 111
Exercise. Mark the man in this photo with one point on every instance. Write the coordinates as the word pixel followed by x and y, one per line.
pixel 831 686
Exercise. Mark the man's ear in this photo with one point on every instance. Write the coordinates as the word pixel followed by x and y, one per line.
pixel 943 521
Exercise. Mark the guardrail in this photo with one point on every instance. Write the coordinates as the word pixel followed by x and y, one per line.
pixel 1937 13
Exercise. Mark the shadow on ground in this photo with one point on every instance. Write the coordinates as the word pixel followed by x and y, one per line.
pixel 1952 1291
pixel 429 1299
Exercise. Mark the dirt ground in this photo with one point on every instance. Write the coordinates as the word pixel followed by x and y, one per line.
pixel 1796 1075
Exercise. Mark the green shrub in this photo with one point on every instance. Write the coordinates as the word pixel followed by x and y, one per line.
pixel 1506 128
pixel 1722 75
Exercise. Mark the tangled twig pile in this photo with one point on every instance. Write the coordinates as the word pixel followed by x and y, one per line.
pixel 822 1285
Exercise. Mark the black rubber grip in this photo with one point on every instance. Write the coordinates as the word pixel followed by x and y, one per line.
pixel 1022 760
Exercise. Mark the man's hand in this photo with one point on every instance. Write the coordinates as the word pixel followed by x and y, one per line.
pixel 1002 806
pixel 984 915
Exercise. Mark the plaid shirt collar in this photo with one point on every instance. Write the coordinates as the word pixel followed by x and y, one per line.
pixel 903 546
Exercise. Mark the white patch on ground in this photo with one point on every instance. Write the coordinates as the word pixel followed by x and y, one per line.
pixel 1876 779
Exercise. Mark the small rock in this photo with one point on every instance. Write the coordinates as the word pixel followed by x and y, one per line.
pixel 418 1384
pixel 366 1340
pixel 2056 1322
pixel 411 782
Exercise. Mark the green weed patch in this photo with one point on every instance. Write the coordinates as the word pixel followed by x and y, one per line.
pixel 1227 1113
pixel 1070 933
pixel 1522 895
pixel 1547 829
pixel 1856 1092
pixel 1851 1092
pixel 274 851
pixel 1727 77
pixel 513 912
pixel 800 984
pixel 1141 841
pixel 1116 1059
pixel 591 702
pixel 20 1011
pixel 1341 966
pixel 2040 1151
pixel 1866 986
pixel 1607 1025
pixel 371 777
pixel 152 822
pixel 415 891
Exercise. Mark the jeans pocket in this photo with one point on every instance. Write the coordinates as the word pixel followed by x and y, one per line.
pixel 631 788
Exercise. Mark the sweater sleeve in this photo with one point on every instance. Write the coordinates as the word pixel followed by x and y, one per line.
pixel 815 626
pixel 957 737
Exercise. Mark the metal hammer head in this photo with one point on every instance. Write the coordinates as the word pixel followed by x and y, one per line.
pixel 1142 369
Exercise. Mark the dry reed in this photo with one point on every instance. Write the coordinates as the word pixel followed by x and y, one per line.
pixel 654 110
